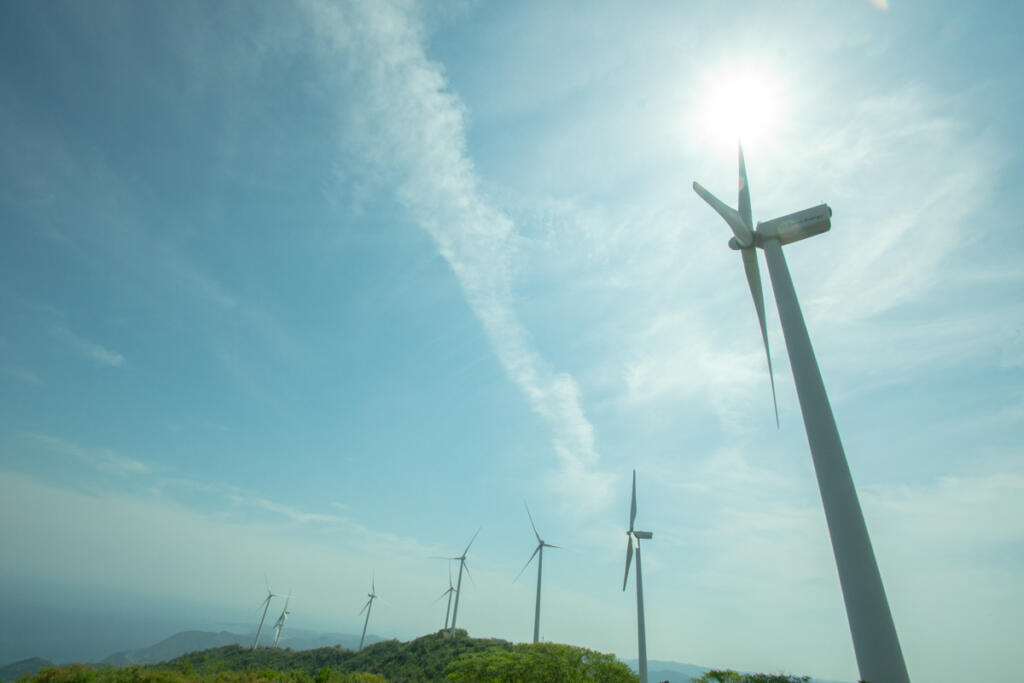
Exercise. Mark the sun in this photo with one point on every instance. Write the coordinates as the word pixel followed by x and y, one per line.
pixel 741 102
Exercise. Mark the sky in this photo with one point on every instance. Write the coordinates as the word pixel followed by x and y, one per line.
pixel 309 293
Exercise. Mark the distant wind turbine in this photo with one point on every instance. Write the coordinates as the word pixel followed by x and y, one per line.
pixel 451 589
pixel 367 607
pixel 633 543
pixel 458 585
pixel 539 554
pixel 279 626
pixel 266 605
pixel 875 642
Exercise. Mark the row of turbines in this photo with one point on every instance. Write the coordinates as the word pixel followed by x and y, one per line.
pixel 455 589
pixel 875 641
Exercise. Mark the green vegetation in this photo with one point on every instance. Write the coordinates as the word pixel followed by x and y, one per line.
pixel 540 663
pixel 435 657
pixel 730 676
pixel 82 673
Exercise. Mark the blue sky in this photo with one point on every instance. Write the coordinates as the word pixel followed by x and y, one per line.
pixel 316 291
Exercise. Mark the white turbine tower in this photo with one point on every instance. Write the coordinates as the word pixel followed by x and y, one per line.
pixel 633 543
pixel 451 589
pixel 539 554
pixel 367 607
pixel 458 585
pixel 875 643
pixel 279 626
pixel 266 605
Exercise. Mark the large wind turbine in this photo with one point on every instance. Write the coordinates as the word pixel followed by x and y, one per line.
pixel 367 607
pixel 266 605
pixel 539 554
pixel 633 543
pixel 877 647
pixel 458 585
pixel 279 626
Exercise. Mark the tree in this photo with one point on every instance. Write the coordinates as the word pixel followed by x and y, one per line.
pixel 540 663
pixel 730 676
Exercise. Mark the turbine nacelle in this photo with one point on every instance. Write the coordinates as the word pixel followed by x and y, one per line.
pixel 791 228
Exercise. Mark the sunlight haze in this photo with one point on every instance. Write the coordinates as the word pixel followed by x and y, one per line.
pixel 315 290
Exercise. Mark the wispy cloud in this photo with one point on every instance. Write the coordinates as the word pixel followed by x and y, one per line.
pixel 677 357
pixel 100 458
pixel 286 511
pixel 90 349
pixel 413 126
pixel 22 375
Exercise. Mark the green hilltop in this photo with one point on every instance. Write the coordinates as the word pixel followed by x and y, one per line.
pixel 434 657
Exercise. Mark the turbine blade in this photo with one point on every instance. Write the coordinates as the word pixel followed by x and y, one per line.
pixel 754 281
pixel 470 542
pixel 535 551
pixel 552 546
pixel 365 606
pixel 466 567
pixel 744 235
pixel 531 522
pixel 451 586
pixel 629 559
pixel 744 191
pixel 632 504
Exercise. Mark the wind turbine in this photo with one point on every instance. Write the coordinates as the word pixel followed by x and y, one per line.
pixel 539 554
pixel 266 605
pixel 279 626
pixel 367 607
pixel 458 585
pixel 875 642
pixel 451 589
pixel 633 543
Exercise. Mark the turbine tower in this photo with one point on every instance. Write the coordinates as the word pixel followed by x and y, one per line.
pixel 458 585
pixel 451 589
pixel 279 626
pixel 539 554
pixel 875 642
pixel 633 543
pixel 367 607
pixel 266 605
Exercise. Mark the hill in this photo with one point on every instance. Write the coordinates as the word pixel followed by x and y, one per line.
pixel 424 659
pixel 15 670
pixel 428 658
pixel 192 641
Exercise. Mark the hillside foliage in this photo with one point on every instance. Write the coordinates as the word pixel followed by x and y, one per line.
pixel 435 657
pixel 730 676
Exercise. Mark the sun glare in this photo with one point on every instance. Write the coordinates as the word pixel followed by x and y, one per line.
pixel 746 103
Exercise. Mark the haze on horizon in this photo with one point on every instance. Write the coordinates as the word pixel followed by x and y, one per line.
pixel 314 291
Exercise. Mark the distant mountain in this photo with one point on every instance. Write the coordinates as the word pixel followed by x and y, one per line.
pixel 311 640
pixel 674 672
pixel 15 670
pixel 175 646
pixel 679 672
pixel 193 641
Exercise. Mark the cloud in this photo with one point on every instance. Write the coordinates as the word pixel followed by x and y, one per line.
pixel 677 356
pixel 412 130
pixel 907 179
pixel 91 350
pixel 22 375
pixel 100 458
pixel 288 512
